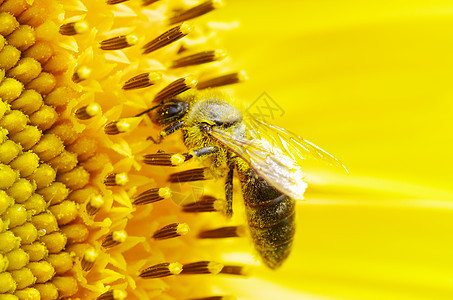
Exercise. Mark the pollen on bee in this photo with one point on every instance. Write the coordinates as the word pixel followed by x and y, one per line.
pixel 202 267
pixel 232 78
pixel 114 294
pixel 152 195
pixel 81 74
pixel 114 238
pixel 199 58
pixel 119 42
pixel 168 37
pixel 223 232
pixel 171 231
pixel 88 111
pixel 74 28
pixel 177 87
pixel 161 270
pixel 114 179
pixel 89 257
pixel 196 11
pixel 142 80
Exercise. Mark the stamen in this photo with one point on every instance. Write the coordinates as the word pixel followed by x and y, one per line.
pixel 142 81
pixel 81 74
pixel 227 79
pixel 171 231
pixel 196 11
pixel 113 295
pixel 115 238
pixel 161 270
pixel 206 204
pixel 148 2
pixel 88 111
pixel 165 159
pixel 166 38
pixel 73 28
pixel 223 232
pixel 199 58
pixel 89 258
pixel 115 179
pixel 235 270
pixel 189 175
pixel 202 267
pixel 94 204
pixel 224 297
pixel 175 88
pixel 112 2
pixel 151 196
pixel 119 42
pixel 120 126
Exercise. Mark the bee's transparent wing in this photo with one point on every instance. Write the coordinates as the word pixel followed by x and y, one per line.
pixel 289 143
pixel 267 161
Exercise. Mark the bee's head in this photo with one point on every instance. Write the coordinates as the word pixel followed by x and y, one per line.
pixel 169 112
pixel 212 111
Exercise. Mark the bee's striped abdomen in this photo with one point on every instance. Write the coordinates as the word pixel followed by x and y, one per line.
pixel 271 218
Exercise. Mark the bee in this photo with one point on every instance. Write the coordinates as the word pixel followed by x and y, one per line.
pixel 266 157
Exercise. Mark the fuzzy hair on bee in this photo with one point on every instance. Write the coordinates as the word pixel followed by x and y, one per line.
pixel 267 159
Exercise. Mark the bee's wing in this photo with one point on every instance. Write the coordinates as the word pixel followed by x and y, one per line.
pixel 289 143
pixel 269 162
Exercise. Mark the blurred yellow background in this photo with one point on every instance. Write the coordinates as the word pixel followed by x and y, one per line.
pixel 370 82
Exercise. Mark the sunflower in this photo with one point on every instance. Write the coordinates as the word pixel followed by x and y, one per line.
pixel 85 216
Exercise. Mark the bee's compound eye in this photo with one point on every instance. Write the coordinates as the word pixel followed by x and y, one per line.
pixel 173 110
pixel 170 112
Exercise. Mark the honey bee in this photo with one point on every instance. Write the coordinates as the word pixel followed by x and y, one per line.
pixel 266 157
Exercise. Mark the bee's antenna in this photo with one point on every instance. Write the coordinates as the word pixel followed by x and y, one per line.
pixel 148 110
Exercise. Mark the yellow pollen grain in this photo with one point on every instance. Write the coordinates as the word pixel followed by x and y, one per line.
pixel 182 229
pixel 65 212
pixel 175 268
pixel 97 201
pixel 81 27
pixel 42 270
pixel 119 294
pixel 164 192
pixel 214 267
pixel 119 236
pixel 83 72
pixel 177 159
pixel 93 109
pixel 121 179
pixel 190 81
pixel 90 255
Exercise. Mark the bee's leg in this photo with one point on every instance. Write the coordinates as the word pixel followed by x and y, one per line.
pixel 229 187
pixel 167 131
pixel 176 159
